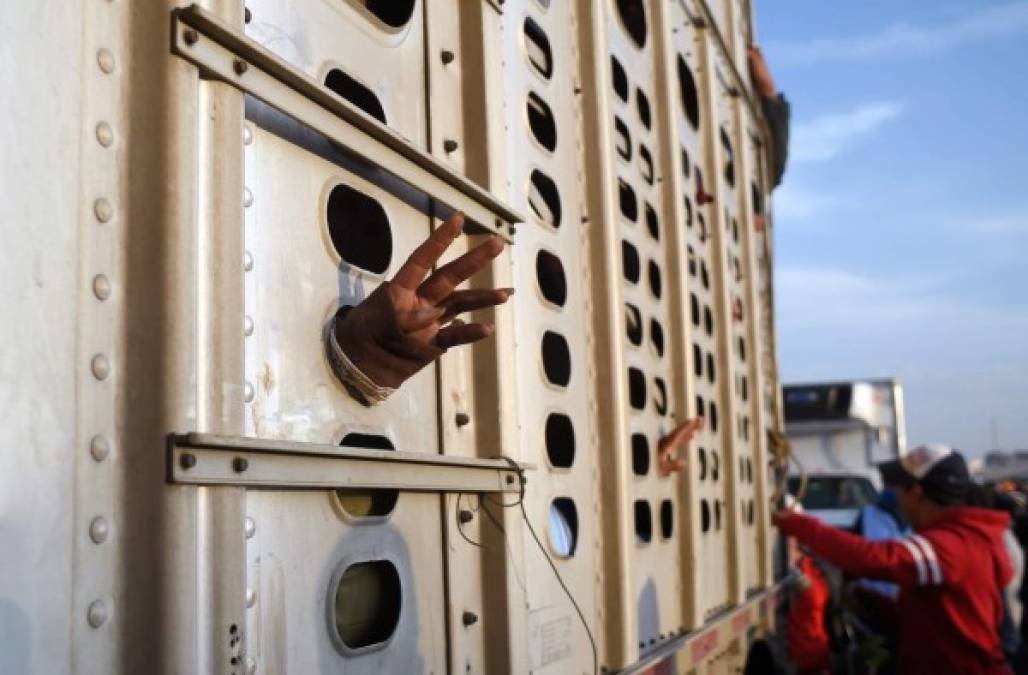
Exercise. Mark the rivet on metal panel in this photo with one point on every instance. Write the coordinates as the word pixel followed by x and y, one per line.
pixel 190 36
pixel 240 465
pixel 447 56
pixel 97 614
pixel 251 665
pixel 462 419
pixel 247 392
pixel 247 326
pixel 510 479
pixel 247 135
pixel 513 230
pixel 104 134
pixel 101 367
pixel 103 210
pixel 251 597
pixel 449 145
pixel 247 261
pixel 99 448
pixel 98 530
pixel 465 516
pixel 101 287
pixel 469 618
pixel 247 197
pixel 105 59
pixel 187 461
pixel 240 66
pixel 249 527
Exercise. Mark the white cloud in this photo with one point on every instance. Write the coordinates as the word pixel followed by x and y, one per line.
pixel 795 204
pixel 999 21
pixel 825 137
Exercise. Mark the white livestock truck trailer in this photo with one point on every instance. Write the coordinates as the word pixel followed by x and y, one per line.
pixel 191 191
pixel 845 428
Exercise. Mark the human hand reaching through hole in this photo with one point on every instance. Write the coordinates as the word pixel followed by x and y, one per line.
pixel 409 321
pixel 668 460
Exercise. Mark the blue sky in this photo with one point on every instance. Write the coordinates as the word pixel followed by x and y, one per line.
pixel 902 223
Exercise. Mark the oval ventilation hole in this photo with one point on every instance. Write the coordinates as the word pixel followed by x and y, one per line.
pixel 643 522
pixel 563 527
pixel 550 274
pixel 633 20
pixel 701 411
pixel 713 416
pixel 735 237
pixel 642 105
pixel 667 519
pixel 394 13
pixel 623 140
pixel 746 428
pixel 619 79
pixel 697 360
pixel 691 254
pixel 359 229
pixel 708 320
pixel 702 461
pixel 640 455
pixel 540 120
pixel 749 470
pixel 356 93
pixel 556 359
pixel 544 199
pixel 657 336
pixel 685 163
pixel 646 164
pixel 704 275
pixel 560 440
pixel 694 309
pixel 367 503
pixel 749 512
pixel 367 600
pixel 633 324
pixel 688 211
pixel 627 201
pixel 717 514
pixel 537 48
pixel 758 199
pixel 630 265
pixel 744 388
pixel 653 273
pixel 636 388
pixel 704 515
pixel 660 398
pixel 711 373
pixel 726 145
pixel 742 349
pixel 687 90
pixel 715 462
pixel 652 222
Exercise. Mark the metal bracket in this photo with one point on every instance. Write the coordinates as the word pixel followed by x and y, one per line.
pixel 207 459
pixel 224 54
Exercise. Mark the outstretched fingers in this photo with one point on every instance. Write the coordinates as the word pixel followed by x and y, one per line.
pixel 683 433
pixel 460 333
pixel 468 301
pixel 425 256
pixel 437 287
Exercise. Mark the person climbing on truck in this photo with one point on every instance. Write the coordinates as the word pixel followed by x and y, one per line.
pixel 410 321
pixel 950 571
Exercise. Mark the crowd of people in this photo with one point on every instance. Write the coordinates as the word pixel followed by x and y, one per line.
pixel 930 581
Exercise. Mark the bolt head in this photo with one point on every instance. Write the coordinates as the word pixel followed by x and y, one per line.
pixel 447 56
pixel 465 516
pixel 98 530
pixel 187 460
pixel 103 210
pixel 251 597
pixel 240 464
pixel 249 527
pixel 105 59
pixel 104 134
pixel 462 419
pixel 97 613
pixel 449 145
pixel 101 367
pixel 99 447
pixel 190 36
pixel 101 287
pixel 469 618
pixel 240 66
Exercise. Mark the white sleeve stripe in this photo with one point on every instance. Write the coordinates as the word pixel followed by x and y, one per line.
pixel 929 554
pixel 915 552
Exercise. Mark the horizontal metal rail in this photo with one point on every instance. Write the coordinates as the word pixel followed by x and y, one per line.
pixel 206 459
pixel 224 54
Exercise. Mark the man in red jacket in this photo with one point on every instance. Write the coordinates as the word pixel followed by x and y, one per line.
pixel 950 571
